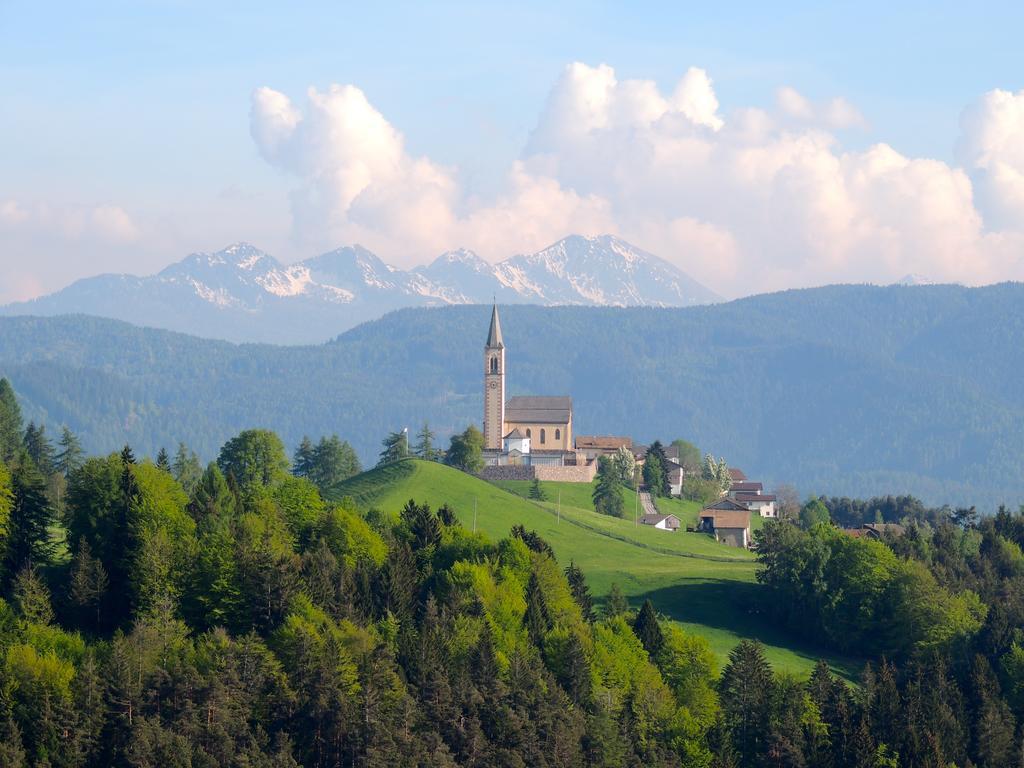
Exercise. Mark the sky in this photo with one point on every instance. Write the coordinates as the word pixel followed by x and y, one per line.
pixel 756 146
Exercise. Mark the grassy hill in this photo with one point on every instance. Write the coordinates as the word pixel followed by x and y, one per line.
pixel 709 588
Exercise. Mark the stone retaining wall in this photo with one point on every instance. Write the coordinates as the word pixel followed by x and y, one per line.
pixel 577 474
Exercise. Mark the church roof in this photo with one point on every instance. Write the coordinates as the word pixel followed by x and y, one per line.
pixel 515 434
pixel 494 334
pixel 538 410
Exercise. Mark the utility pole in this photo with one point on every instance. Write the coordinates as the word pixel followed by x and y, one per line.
pixel 558 515
pixel 474 514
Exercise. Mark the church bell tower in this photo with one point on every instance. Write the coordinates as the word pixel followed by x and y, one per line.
pixel 494 385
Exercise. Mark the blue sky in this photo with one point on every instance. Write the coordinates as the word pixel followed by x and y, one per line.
pixel 145 107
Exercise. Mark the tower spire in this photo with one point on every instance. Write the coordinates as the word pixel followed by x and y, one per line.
pixel 494 340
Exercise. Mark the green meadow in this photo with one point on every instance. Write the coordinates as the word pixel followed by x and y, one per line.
pixel 709 588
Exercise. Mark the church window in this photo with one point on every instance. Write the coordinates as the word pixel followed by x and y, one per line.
pixel 542 437
pixel 528 433
pixel 494 365
pixel 558 435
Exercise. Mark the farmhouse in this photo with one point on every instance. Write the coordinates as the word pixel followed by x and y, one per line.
pixel 661 522
pixel 728 521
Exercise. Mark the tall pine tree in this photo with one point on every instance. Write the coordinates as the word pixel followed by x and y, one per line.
pixel 10 422
pixel 28 539
pixel 70 456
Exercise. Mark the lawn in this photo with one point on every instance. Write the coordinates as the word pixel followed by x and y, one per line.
pixel 710 589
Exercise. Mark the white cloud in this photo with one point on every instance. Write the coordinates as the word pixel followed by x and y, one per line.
pixel 991 147
pixel 748 201
pixel 836 113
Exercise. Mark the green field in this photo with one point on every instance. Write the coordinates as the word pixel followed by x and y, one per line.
pixel 709 588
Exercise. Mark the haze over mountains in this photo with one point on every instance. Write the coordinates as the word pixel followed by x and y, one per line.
pixel 855 390
pixel 243 294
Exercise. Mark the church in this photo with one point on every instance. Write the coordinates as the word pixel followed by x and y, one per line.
pixel 523 430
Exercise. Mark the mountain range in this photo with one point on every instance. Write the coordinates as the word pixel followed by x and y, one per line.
pixel 850 390
pixel 242 294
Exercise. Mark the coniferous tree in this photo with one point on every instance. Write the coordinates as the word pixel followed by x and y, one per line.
pixel 186 468
pixel 38 447
pixel 746 689
pixel 304 459
pixel 536 491
pixel 28 536
pixel 994 724
pixel 89 581
pixel 31 597
pixel 647 628
pixel 607 494
pixel 395 448
pixel 616 603
pixel 580 591
pixel 536 619
pixel 425 443
pixel 656 478
pixel 163 461
pixel 70 456
pixel 447 516
pixel 423 525
pixel 10 422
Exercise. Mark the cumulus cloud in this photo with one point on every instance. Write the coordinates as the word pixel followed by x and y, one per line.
pixel 991 147
pixel 747 201
pixel 835 113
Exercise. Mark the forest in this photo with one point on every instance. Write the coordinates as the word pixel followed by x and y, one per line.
pixel 845 390
pixel 158 613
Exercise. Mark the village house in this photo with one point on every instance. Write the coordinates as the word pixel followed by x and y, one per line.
pixel 728 521
pixel 661 522
pixel 593 446
pixel 751 495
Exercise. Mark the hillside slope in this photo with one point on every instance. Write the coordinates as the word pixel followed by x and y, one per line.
pixel 709 588
pixel 850 390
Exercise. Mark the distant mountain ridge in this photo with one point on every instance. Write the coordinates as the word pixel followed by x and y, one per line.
pixel 243 294
pixel 847 390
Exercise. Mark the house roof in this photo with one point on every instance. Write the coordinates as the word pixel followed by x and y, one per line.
pixel 744 486
pixel 494 333
pixel 731 518
pixel 606 442
pixel 516 434
pixel 737 475
pixel 752 497
pixel 727 505
pixel 655 519
pixel 538 410
pixel 883 527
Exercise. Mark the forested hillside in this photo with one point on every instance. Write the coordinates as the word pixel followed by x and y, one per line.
pixel 846 390
pixel 153 616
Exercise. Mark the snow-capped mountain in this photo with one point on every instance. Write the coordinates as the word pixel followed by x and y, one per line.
pixel 243 294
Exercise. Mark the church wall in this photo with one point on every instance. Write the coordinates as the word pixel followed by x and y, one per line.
pixel 564 443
